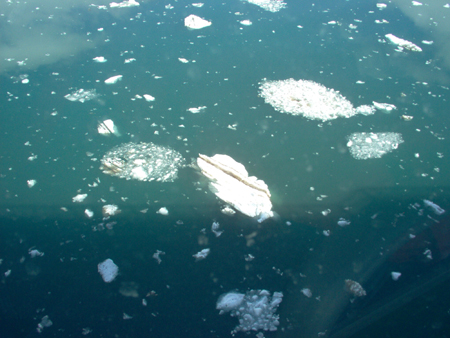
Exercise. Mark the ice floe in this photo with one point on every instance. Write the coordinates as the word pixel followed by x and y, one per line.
pixel 31 183
pixel 363 146
pixel 256 309
pixel 163 211
pixel 123 4
pixel 113 79
pixel 354 288
pixel 100 59
pixel 309 99
pixel 197 110
pixel 436 208
pixel 142 161
pixel 45 322
pixel 109 210
pixel 384 106
pixel 401 43
pixel 79 198
pixel 268 5
pixel 82 95
pixel 195 22
pixel 230 182
pixel 108 270
pixel 201 254
pixel 107 127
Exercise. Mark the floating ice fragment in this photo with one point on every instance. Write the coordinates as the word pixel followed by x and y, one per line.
pixel 163 211
pixel 183 60
pixel 113 79
pixel 148 98
pixel 403 43
pixel 35 253
pixel 307 292
pixel 215 229
pixel 255 309
pixel 79 198
pixel 108 270
pixel 309 99
pixel 227 210
pixel 198 4
pixel 157 255
pixel 201 255
pixel 426 42
pixel 45 322
pixel 343 222
pixel 230 182
pixel 246 22
pixel 109 210
pixel 436 208
pixel 407 117
pixel 268 5
pixel 89 213
pixel 354 288
pixel 108 127
pixel 125 3
pixel 381 6
pixel 82 95
pixel 197 110
pixel 395 275
pixel 416 3
pixel 31 183
pixel 384 106
pixel 129 60
pixel 194 22
pixel 363 146
pixel 100 59
pixel 143 161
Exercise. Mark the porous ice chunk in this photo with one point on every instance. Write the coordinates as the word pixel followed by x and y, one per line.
pixel 363 146
pixel 108 270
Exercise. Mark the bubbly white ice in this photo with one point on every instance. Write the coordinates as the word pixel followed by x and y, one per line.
pixel 268 5
pixel 31 183
pixel 100 59
pixel 309 99
pixel 108 270
pixel 123 4
pixel 82 95
pixel 256 309
pixel 363 146
pixel 110 210
pixel 403 44
pixel 107 127
pixel 79 198
pixel 142 161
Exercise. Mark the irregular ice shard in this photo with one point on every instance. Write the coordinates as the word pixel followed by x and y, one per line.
pixel 113 79
pixel 194 22
pixel 436 208
pixel 403 43
pixel 231 183
pixel 108 270
pixel 107 127
pixel 201 254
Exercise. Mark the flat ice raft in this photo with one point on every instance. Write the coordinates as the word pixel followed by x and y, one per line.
pixel 230 182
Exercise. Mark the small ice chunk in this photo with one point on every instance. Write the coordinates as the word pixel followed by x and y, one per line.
pixel 381 6
pixel 125 3
pixel 227 210
pixel 110 210
pixel 45 322
pixel 148 98
pixel 395 275
pixel 79 198
pixel 416 3
pixel 129 60
pixel 354 288
pixel 89 213
pixel 113 79
pixel 107 127
pixel 157 255
pixel 31 183
pixel 35 253
pixel 197 110
pixel 108 270
pixel 100 59
pixel 163 211
pixel 201 255
pixel 384 106
pixel 246 22
pixel 195 22
pixel 198 4
pixel 343 222
pixel 426 42
pixel 183 60
pixel 215 229
pixel 436 208
pixel 229 301
pixel 307 292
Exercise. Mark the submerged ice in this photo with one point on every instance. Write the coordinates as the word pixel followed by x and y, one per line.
pixel 256 309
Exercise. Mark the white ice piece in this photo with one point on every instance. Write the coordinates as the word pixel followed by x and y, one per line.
pixel 108 270
pixel 201 254
pixel 363 146
pixel 197 110
pixel 256 310
pixel 31 183
pixel 384 106
pixel 100 59
pixel 79 198
pixel 89 213
pixel 183 60
pixel 107 127
pixel 113 79
pixel 82 95
pixel 343 222
pixel 403 43
pixel 246 22
pixel 395 275
pixel 436 208
pixel 109 210
pixel 123 4
pixel 157 255
pixel 35 253
pixel 268 5
pixel 381 6
pixel 148 98
pixel 215 229
pixel 45 322
pixel 195 22
pixel 230 182
pixel 198 4
pixel 163 211
pixel 307 292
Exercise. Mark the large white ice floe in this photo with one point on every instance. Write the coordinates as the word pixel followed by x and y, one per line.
pixel 107 127
pixel 82 95
pixel 108 270
pixel 195 22
pixel 363 146
pixel 268 5
pixel 309 99
pixel 401 43
pixel 255 309
pixel 230 182
pixel 142 161
pixel 123 4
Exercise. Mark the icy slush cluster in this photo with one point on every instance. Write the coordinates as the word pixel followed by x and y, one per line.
pixel 310 99
pixel 143 161
pixel 364 146
pixel 268 5
pixel 255 309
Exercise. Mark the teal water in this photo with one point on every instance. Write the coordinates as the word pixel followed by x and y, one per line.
pixel 305 163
